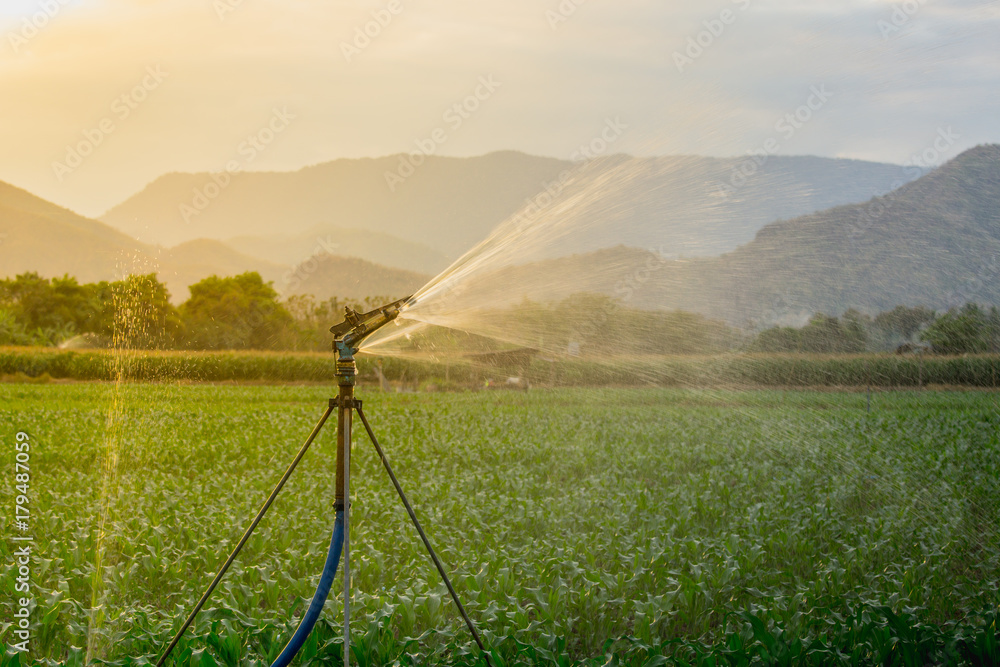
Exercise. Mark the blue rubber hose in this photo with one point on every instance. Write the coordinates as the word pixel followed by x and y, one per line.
pixel 319 599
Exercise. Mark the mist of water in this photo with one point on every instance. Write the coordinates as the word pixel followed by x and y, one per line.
pixel 603 228
pixel 124 457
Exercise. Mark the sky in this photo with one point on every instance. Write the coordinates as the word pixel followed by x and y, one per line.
pixel 100 97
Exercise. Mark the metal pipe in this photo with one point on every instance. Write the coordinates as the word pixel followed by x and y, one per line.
pixel 347 371
pixel 347 414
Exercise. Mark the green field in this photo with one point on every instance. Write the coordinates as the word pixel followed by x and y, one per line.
pixel 640 527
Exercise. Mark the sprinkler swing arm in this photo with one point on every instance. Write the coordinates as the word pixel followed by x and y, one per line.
pixel 358 326
pixel 348 336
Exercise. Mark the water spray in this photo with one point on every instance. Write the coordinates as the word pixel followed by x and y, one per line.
pixel 348 337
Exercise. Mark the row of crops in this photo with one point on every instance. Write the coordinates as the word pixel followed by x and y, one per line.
pixel 791 370
pixel 582 526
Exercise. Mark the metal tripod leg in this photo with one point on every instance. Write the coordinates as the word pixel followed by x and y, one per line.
pixel 423 535
pixel 345 405
pixel 246 536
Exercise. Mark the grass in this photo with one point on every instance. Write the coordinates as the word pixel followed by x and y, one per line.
pixel 583 526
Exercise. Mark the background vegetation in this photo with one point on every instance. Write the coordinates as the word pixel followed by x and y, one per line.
pixel 244 312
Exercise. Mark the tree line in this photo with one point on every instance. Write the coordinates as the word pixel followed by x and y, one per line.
pixel 970 329
pixel 244 312
pixel 234 313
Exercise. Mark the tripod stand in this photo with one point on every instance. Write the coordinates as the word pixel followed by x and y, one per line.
pixel 349 335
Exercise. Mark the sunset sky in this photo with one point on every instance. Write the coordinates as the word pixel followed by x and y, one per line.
pixel 200 77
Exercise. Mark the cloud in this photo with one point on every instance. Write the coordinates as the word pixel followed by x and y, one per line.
pixel 229 70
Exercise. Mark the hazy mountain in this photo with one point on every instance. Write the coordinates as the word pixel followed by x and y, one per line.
pixel 447 203
pixel 375 247
pixel 326 276
pixel 36 235
pixel 695 205
pixel 187 263
pixel 933 242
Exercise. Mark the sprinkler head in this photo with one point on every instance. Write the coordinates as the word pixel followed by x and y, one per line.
pixel 358 326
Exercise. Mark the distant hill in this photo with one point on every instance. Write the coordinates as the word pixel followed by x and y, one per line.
pixel 697 206
pixel 375 247
pixel 187 263
pixel 326 276
pixel 934 242
pixel 448 203
pixel 36 235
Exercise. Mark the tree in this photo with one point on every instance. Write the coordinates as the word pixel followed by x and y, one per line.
pixel 13 332
pixel 778 339
pixel 823 334
pixel 828 335
pixel 994 328
pixel 903 321
pixel 968 330
pixel 892 328
pixel 239 312
pixel 854 328
pixel 312 321
pixel 49 311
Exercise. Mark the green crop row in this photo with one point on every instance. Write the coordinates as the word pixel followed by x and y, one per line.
pixel 199 366
pixel 779 370
pixel 873 635
pixel 764 370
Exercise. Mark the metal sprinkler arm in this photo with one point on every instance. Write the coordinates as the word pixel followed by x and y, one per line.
pixel 358 326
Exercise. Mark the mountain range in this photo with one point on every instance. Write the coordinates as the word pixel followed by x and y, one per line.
pixel 933 242
pixel 36 235
pixel 701 206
